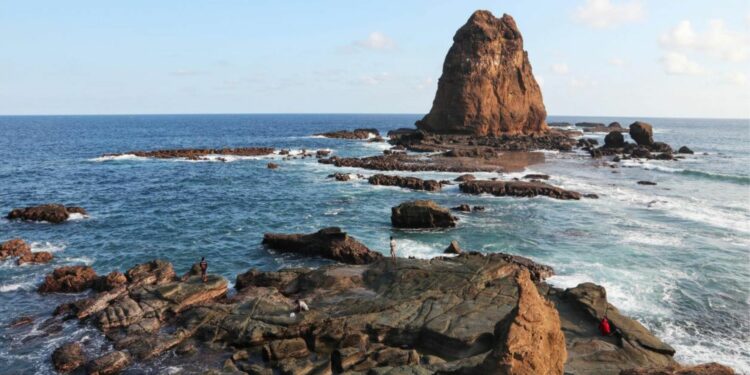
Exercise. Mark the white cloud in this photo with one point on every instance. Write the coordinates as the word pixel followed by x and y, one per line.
pixel 616 61
pixel 739 79
pixel 561 68
pixel 375 41
pixel 680 64
pixel 717 41
pixel 601 14
pixel 425 83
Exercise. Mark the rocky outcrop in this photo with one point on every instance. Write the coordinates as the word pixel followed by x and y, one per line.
pixel 53 213
pixel 155 272
pixel 413 183
pixel 487 87
pixel 330 243
pixel 35 257
pixel 421 214
pixel 465 177
pixel 517 189
pixel 529 339
pixel 351 134
pixel 536 176
pixel 642 133
pixel 68 279
pixel 198 153
pixel 685 150
pixel 68 357
pixel 111 363
pixel 614 139
pixel 453 248
pixel 112 281
pixel 15 247
pixel 704 369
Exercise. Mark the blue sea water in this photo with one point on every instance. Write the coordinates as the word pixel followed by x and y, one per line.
pixel 675 256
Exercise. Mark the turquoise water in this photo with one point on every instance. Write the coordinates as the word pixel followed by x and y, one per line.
pixel 674 255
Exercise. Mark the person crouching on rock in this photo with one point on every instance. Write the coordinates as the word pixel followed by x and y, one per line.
pixel 300 306
pixel 204 268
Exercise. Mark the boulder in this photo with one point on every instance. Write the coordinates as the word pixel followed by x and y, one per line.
pixel 68 279
pixel 68 357
pixel 322 153
pixel 487 87
pixel 517 189
pixel 111 363
pixel 685 150
pixel 463 208
pixel 15 247
pixel 703 369
pixel 530 340
pixel 340 176
pixel 53 213
pixel 421 214
pixel 586 124
pixel 282 349
pixel 413 183
pixel 36 257
pixel 465 177
pixel 272 165
pixel 614 139
pixel 614 124
pixel 329 243
pixel 113 280
pixel 453 248
pixel 642 133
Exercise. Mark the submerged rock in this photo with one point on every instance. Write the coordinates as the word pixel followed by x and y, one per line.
pixel 413 183
pixel 329 243
pixel 53 213
pixel 487 86
pixel 421 214
pixel 685 150
pixel 68 279
pixel 517 189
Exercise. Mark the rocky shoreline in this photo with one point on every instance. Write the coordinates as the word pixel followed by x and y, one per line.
pixel 467 314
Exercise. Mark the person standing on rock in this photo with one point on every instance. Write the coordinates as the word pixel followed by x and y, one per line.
pixel 393 249
pixel 204 268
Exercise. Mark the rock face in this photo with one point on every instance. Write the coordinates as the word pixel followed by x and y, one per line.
pixel 68 357
pixel 329 243
pixel 517 189
pixel 53 213
pixel 421 214
pixel 69 279
pixel 413 183
pixel 487 87
pixel 642 133
pixel 453 248
pixel 530 340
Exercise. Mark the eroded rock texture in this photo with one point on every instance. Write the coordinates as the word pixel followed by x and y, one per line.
pixel 487 86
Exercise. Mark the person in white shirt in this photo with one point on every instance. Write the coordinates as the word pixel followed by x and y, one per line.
pixel 393 249
pixel 300 306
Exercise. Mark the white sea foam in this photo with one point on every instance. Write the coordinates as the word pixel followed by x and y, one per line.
pixel 122 157
pixel 28 285
pixel 77 216
pixel 78 260
pixel 47 246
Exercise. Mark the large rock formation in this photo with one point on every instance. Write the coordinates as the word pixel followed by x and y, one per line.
pixel 53 213
pixel 421 214
pixel 642 133
pixel 487 87
pixel 329 243
pixel 68 279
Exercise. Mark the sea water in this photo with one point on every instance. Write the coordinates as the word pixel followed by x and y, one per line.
pixel 675 256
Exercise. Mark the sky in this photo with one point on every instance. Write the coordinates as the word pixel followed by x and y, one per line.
pixel 651 58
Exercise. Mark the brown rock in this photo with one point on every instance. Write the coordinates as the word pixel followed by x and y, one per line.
pixel 69 279
pixel 465 177
pixel 530 340
pixel 272 165
pixel 110 363
pixel 152 273
pixel 15 247
pixel 53 213
pixel 704 369
pixel 281 349
pixel 463 208
pixel 413 183
pixel 453 248
pixel 421 214
pixel 614 139
pixel 353 134
pixel 21 321
pixel 517 189
pixel 113 280
pixel 329 243
pixel 642 133
pixel 198 153
pixel 487 87
pixel 68 357
pixel 36 257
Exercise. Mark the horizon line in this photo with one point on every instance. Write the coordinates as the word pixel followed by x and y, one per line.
pixel 336 113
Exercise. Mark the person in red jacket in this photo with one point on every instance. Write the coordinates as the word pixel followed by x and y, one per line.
pixel 604 327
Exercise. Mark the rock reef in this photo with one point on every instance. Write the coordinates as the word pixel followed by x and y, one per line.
pixel 487 87
pixel 413 183
pixel 198 153
pixel 52 213
pixel 517 189
pixel 364 133
pixel 330 243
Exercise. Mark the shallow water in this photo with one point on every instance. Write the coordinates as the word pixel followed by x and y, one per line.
pixel 674 255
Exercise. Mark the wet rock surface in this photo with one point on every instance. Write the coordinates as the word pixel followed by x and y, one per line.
pixel 413 183
pixel 487 87
pixel 330 243
pixel 14 247
pixel 198 153
pixel 470 313
pixel 421 214
pixel 364 133
pixel 53 213
pixel 69 279
pixel 517 189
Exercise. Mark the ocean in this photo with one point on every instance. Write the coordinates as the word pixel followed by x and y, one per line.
pixel 676 256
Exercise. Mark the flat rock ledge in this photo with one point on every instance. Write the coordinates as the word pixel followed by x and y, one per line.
pixel 412 183
pixel 198 153
pixel 331 243
pixel 466 314
pixel 517 189
pixel 52 212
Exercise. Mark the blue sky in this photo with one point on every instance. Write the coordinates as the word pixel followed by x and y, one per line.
pixel 671 58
